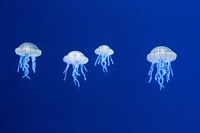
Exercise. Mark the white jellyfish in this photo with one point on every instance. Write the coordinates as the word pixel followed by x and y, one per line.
pixel 77 60
pixel 26 51
pixel 161 56
pixel 104 53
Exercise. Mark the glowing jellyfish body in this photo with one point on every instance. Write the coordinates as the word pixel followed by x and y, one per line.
pixel 26 51
pixel 104 53
pixel 77 60
pixel 161 56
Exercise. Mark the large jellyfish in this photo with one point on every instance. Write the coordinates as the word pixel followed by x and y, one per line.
pixel 77 60
pixel 104 53
pixel 26 51
pixel 161 56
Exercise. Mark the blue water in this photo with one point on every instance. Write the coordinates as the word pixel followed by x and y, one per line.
pixel 119 101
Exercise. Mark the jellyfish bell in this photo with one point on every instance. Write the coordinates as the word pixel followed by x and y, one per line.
pixel 77 60
pixel 104 49
pixel 161 53
pixel 162 56
pixel 75 57
pixel 104 58
pixel 26 51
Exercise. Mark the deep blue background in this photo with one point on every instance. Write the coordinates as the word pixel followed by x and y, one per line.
pixel 120 101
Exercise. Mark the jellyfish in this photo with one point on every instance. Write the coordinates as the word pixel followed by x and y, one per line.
pixel 162 56
pixel 104 58
pixel 77 60
pixel 26 51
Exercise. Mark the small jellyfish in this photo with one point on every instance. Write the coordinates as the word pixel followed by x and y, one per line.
pixel 26 51
pixel 77 60
pixel 161 56
pixel 104 53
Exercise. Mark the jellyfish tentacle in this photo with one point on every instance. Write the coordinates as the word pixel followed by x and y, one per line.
pixel 82 67
pixel 104 65
pixel 150 72
pixel 25 66
pixel 108 60
pixel 65 71
pixel 170 69
pixel 161 82
pixel 33 58
pixel 75 73
pixel 160 73
pixel 76 69
pixel 111 59
pixel 20 63
pixel 97 60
